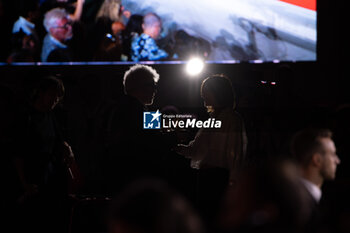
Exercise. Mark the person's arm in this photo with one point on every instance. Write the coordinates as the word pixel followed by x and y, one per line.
pixel 78 11
pixel 189 150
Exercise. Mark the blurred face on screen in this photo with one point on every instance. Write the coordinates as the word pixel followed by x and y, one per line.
pixel 63 31
pixel 154 30
pixel 152 26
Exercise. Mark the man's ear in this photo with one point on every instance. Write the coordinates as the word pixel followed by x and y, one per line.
pixel 317 159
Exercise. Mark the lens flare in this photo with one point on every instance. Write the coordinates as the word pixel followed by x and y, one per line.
pixel 195 66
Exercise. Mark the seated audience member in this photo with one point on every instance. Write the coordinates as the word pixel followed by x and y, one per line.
pixel 132 29
pixel 25 38
pixel 315 153
pixel 27 19
pixel 151 206
pixel 106 36
pixel 144 47
pixel 59 31
pixel 24 48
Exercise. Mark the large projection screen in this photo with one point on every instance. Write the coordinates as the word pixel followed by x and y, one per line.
pixel 242 30
pixel 217 31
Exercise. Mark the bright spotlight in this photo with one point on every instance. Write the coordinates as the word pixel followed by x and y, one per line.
pixel 194 66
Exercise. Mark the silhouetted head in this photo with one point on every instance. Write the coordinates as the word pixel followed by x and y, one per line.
pixel 47 94
pixel 140 82
pixel 218 93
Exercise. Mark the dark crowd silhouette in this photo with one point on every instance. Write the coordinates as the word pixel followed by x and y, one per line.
pixel 110 174
pixel 89 30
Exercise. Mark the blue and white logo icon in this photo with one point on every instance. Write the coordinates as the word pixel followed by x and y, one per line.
pixel 151 120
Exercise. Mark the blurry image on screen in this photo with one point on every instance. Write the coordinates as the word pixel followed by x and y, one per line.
pixel 220 31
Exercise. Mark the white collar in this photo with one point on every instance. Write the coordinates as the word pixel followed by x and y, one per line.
pixel 57 42
pixel 313 189
pixel 26 22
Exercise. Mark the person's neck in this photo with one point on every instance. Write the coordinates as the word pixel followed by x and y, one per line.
pixel 136 97
pixel 313 176
pixel 149 34
pixel 61 41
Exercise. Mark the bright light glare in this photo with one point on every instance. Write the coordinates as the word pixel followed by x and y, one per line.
pixel 194 66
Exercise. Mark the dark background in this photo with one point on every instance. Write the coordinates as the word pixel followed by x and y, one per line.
pixel 306 93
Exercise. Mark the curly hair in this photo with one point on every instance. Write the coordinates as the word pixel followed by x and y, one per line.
pixel 136 74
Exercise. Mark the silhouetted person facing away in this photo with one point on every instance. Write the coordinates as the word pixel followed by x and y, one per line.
pixel 219 153
pixel 133 152
pixel 315 153
pixel 42 158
